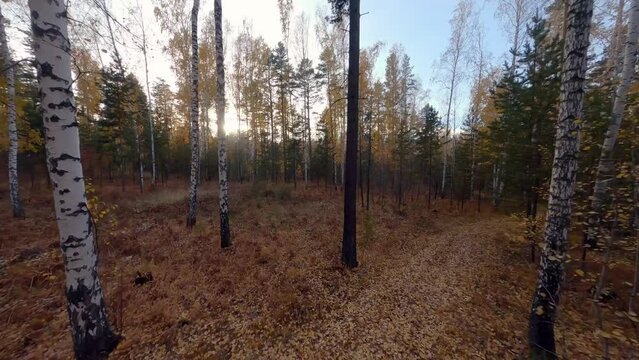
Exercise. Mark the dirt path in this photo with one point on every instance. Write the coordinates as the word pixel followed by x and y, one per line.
pixel 418 304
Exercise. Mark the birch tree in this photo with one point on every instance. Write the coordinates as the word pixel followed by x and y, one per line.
pixel 9 73
pixel 195 135
pixel 143 46
pixel 451 62
pixel 225 231
pixel 563 181
pixel 514 15
pixel 92 335
pixel 606 165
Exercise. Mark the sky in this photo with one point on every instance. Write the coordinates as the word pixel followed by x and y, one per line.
pixel 420 26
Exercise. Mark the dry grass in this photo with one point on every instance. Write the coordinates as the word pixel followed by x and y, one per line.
pixel 430 285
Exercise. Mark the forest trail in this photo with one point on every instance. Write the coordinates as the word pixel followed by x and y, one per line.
pixel 411 305
pixel 422 301
pixel 431 284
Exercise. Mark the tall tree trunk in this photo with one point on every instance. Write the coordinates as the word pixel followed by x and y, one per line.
pixel 237 146
pixel 136 131
pixel 349 246
pixel 563 180
pixel 307 137
pixel 606 166
pixel 635 198
pixel 272 124
pixel 150 115
pixel 369 160
pixel 195 129
pixel 92 335
pixel 7 63
pixel 447 133
pixel 225 230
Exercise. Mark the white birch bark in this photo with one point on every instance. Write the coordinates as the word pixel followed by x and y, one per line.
pixel 309 132
pixel 195 137
pixel 563 182
pixel 606 166
pixel 9 73
pixel 92 335
pixel 225 232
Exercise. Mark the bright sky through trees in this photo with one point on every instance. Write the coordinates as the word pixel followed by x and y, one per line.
pixel 420 26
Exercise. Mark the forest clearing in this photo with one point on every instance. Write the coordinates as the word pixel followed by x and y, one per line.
pixel 185 182
pixel 280 292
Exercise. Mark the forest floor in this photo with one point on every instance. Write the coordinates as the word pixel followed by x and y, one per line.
pixel 432 283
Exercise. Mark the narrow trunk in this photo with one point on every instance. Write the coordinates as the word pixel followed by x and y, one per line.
pixel 562 186
pixel 150 115
pixel 225 231
pixel 14 188
pixel 237 146
pixel 272 124
pixel 92 335
pixel 614 51
pixel 447 133
pixel 349 247
pixel 195 128
pixel 136 131
pixel 606 166
pixel 307 137
pixel 369 161
pixel 635 198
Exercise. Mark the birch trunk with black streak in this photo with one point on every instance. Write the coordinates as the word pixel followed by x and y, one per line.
pixel 606 166
pixel 195 129
pixel 563 181
pixel 92 335
pixel 349 245
pixel 225 230
pixel 9 73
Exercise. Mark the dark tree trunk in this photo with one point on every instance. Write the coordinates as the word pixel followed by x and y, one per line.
pixel 349 247
pixel 369 162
